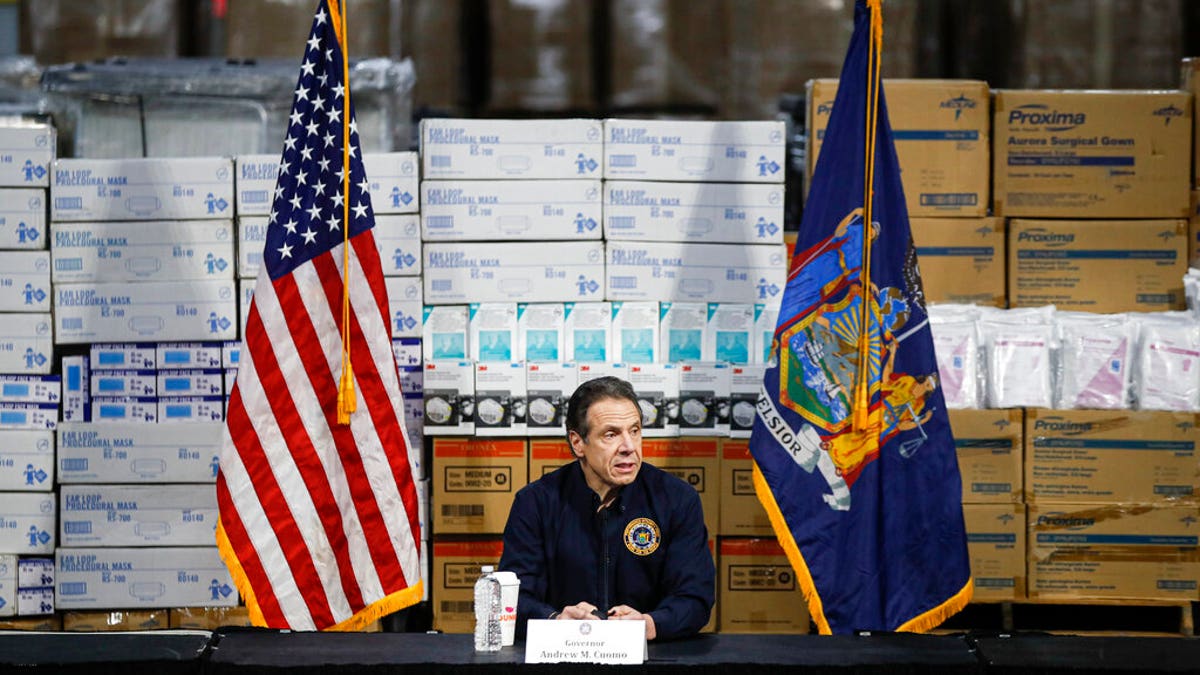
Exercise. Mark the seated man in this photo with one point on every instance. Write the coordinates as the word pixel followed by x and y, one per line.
pixel 608 536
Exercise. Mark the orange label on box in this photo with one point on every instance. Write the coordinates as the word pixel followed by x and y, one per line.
pixel 751 547
pixel 735 449
pixel 477 447
pixel 467 549
pixel 550 450
pixel 679 447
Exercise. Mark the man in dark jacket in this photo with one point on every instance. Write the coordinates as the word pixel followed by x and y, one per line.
pixel 608 536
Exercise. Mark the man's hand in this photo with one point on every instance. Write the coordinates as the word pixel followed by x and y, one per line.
pixel 583 610
pixel 627 613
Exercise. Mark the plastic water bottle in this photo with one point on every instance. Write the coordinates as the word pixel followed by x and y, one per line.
pixel 487 611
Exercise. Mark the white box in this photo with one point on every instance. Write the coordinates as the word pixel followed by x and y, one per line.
pixel 142 189
pixel 26 460
pixel 230 380
pixel 392 182
pixel 31 388
pixel 187 355
pixel 161 310
pixel 635 332
pixel 132 578
pixel 124 383
pixel 404 305
pixel 695 272
pixel 397 238
pixel 514 272
pixel 201 382
pixel 548 388
pixel 124 409
pixel 35 573
pixel 123 356
pixel 540 328
pixel 510 210
pixel 414 425
pixel 730 333
pixel 35 601
pixel 449 398
pixel 23 218
pixel 679 150
pixel 27 523
pixel 77 388
pixel 412 381
pixel 254 183
pixel 124 452
pixel 445 332
pixel 192 409
pixel 407 351
pixel 245 294
pixel 590 371
pixel 493 331
pixel 26 343
pixel 497 149
pixel 28 415
pixel 766 318
pixel 8 585
pixel 24 281
pixel 682 328
pixel 736 213
pixel 142 251
pixel 704 399
pixel 657 389
pixel 587 333
pixel 231 354
pixel 500 403
pixel 137 515
pixel 26 151
pixel 745 384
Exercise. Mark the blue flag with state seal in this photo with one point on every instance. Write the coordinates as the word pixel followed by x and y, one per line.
pixel 854 459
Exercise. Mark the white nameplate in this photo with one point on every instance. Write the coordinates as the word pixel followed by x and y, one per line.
pixel 608 642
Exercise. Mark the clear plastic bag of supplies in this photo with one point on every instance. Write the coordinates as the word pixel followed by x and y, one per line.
pixel 1094 360
pixel 1018 362
pixel 1167 362
pixel 1191 290
pixel 956 344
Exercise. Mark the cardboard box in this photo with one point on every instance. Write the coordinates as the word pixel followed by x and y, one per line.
pixel 142 251
pixel 1194 231
pixel 493 331
pixel 741 514
pixel 50 622
pixel 636 332
pixel 23 218
pixel 1103 266
pixel 123 356
pixel 501 404
pixel 1089 456
pixel 730 333
pixel 1092 154
pixel 510 210
pixel 8 585
pixel 990 447
pixel 445 332
pixel 940 128
pixel 27 149
pixel 540 332
pixel 757 589
pixel 1129 551
pixel 76 385
pixel 682 328
pixel 124 383
pixel 713 213
pixel 26 460
pixel 107 621
pixel 208 618
pixel 694 272
pixel 474 482
pixel 29 415
pixel 30 388
pixel 587 331
pixel 449 398
pixel 137 515
pixel 766 319
pixel 547 455
pixel 28 523
pixel 456 567
pixel 116 452
pixel 177 188
pixel 696 461
pixel 496 149
pixel 549 387
pixel 166 310
pixel 191 409
pixel 996 545
pixel 505 272
pixel 657 388
pixel 704 398
pixel 745 383
pixel 405 305
pixel 138 409
pixel 135 578
pixel 694 150
pixel 391 179
pixel 962 260
pixel 24 281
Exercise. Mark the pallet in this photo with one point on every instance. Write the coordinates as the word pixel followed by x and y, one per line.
pixel 1084 616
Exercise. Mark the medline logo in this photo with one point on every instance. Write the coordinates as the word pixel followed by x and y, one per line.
pixel 958 104
pixel 1041 114
pixel 825 108
pixel 1167 113
pixel 1061 425
pixel 1039 235
pixel 1069 522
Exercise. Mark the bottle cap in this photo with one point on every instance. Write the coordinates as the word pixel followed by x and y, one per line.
pixel 487 569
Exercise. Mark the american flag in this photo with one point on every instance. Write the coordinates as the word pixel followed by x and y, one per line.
pixel 318 520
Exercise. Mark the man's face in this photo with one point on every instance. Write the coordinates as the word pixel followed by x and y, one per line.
pixel 612 451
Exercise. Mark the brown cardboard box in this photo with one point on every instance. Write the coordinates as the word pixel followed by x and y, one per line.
pixel 134 619
pixel 1190 82
pixel 208 618
pixel 541 55
pixel 962 260
pixel 59 31
pixel 1100 266
pixel 758 591
pixel 1194 231
pixel 667 53
pixel 694 460
pixel 942 141
pixel 1134 551
pixel 50 622
pixel 996 544
pixel 1092 154
pixel 546 455
pixel 455 568
pixel 369 24
pixel 474 482
pixel 742 515
pixel 433 39
pixel 990 447
pixel 1089 456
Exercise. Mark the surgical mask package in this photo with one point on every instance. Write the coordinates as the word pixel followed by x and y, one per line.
pixel 1019 367
pixel 957 347
pixel 1167 359
pixel 1094 358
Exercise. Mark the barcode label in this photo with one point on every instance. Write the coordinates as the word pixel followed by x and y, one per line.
pixel 623 161
pixel 68 264
pixel 63 203
pixel 457 607
pixel 254 197
pixel 439 161
pixel 72 323
pixel 622 282
pixel 461 510
pixel 439 222
pixel 73 464
pixel 72 588
pixel 622 222
pixel 77 526
pixel 441 285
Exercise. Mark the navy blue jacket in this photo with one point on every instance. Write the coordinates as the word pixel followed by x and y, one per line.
pixel 565 552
